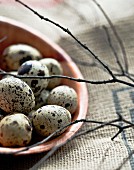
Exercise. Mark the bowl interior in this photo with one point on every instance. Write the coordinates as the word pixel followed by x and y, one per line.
pixel 15 33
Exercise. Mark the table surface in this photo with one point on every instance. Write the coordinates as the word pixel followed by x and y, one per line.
pixel 86 21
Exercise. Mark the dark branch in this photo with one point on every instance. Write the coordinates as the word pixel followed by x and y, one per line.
pixel 114 80
pixel 102 124
pixel 116 35
pixel 112 48
pixel 69 33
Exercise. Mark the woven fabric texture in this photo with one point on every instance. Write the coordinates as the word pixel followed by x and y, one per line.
pixel 94 150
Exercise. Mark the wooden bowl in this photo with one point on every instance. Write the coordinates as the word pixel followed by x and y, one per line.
pixel 17 32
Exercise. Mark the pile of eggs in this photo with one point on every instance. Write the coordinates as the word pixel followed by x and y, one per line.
pixel 32 105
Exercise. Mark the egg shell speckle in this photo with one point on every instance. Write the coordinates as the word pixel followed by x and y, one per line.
pixel 16 96
pixel 54 68
pixel 64 96
pixel 34 68
pixel 15 130
pixel 15 55
pixel 50 118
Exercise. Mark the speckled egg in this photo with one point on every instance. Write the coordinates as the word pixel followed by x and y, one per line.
pixel 54 68
pixel 34 68
pixel 50 118
pixel 15 130
pixel 64 96
pixel 16 96
pixel 15 55
pixel 41 99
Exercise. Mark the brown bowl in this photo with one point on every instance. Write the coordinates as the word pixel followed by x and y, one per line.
pixel 17 32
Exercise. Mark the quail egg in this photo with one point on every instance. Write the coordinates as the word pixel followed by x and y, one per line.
pixel 64 96
pixel 16 54
pixel 50 118
pixel 34 68
pixel 54 68
pixel 41 99
pixel 16 96
pixel 15 130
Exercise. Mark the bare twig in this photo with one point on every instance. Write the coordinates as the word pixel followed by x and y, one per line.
pixel 124 73
pixel 113 50
pixel 102 124
pixel 69 33
pixel 116 35
pixel 114 80
pixel 74 122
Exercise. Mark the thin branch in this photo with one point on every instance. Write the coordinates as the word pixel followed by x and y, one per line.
pixel 57 146
pixel 124 82
pixel 120 130
pixel 112 48
pixel 102 124
pixel 116 35
pixel 126 74
pixel 69 33
pixel 85 47
pixel 114 80
pixel 64 77
pixel 74 122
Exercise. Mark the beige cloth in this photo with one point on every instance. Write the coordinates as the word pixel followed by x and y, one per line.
pixel 94 150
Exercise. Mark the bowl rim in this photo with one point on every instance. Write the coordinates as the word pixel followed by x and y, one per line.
pixel 83 93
